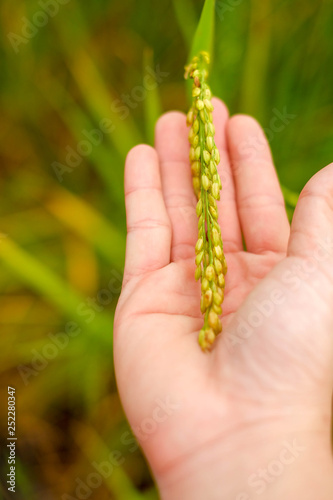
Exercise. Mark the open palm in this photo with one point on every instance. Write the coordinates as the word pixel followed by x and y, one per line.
pixel 269 376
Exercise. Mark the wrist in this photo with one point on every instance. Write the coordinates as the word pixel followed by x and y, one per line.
pixel 288 465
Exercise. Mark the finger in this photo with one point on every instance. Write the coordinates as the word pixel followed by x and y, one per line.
pixel 148 225
pixel 228 216
pixel 171 141
pixel 312 225
pixel 260 201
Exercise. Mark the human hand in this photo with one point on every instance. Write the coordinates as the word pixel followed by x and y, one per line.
pixel 267 384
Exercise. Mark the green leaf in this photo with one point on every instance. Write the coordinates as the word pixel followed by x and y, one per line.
pixel 99 98
pixel 53 288
pixel 290 197
pixel 204 35
pixel 186 18
pixel 73 212
pixel 152 103
pixel 95 449
pixel 76 120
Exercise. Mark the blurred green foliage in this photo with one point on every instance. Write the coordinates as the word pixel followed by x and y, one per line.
pixel 82 76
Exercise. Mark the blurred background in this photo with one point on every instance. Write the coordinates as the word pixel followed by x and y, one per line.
pixel 81 83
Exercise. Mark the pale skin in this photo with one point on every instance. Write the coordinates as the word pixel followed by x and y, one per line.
pixel 235 413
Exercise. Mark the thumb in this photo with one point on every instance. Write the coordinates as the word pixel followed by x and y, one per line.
pixel 312 226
